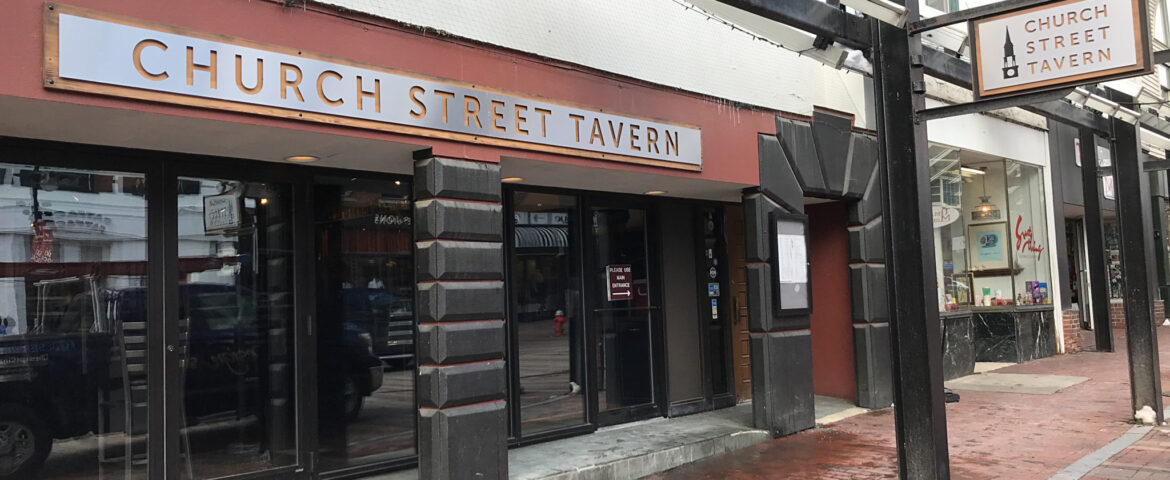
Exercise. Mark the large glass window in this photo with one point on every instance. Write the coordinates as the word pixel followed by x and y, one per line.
pixel 1031 269
pixel 990 221
pixel 365 321
pixel 546 310
pixel 235 324
pixel 72 323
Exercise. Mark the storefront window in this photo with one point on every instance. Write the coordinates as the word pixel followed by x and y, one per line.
pixel 72 323
pixel 990 223
pixel 365 321
pixel 546 309
pixel 1028 236
pixel 949 229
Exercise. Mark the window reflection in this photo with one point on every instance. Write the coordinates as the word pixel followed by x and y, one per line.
pixel 235 323
pixel 72 323
pixel 546 307
pixel 365 321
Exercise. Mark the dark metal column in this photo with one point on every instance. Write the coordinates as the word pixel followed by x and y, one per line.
pixel 1138 281
pixel 1097 267
pixel 919 411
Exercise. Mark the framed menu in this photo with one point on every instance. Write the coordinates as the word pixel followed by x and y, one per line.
pixel 791 283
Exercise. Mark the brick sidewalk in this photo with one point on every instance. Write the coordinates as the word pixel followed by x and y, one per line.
pixel 992 435
pixel 1148 458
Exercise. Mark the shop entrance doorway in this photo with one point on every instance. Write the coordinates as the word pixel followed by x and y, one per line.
pixel 623 311
pixel 583 312
pixel 1077 273
pixel 831 321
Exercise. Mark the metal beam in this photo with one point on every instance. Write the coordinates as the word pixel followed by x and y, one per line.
pixel 1156 165
pixel 915 330
pixel 991 104
pixel 971 14
pixel 1138 280
pixel 1097 267
pixel 812 16
pixel 1162 56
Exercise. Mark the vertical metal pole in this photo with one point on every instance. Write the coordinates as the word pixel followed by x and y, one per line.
pixel 915 329
pixel 1098 266
pixel 1138 281
pixel 1158 205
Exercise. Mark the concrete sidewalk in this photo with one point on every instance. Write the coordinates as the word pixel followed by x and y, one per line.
pixel 631 451
pixel 992 434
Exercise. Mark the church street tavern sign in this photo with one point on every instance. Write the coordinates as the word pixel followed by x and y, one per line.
pixel 1059 44
pixel 105 54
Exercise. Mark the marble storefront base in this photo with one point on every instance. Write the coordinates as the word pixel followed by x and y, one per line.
pixel 1014 334
pixel 958 345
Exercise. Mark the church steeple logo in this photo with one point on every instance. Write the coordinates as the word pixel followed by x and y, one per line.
pixel 1010 69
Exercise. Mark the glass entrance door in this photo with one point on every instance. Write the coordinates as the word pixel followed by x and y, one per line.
pixel 235 351
pixel 623 310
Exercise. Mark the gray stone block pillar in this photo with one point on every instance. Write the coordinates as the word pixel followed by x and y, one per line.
pixel 871 313
pixel 781 348
pixel 463 422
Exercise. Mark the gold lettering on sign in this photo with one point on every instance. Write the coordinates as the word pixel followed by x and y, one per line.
pixel 671 141
pixel 634 137
pixel 445 96
pixel 469 113
pixel 596 132
pixel 521 118
pixel 545 113
pixel 415 91
pixel 210 68
pixel 158 77
pixel 362 94
pixel 334 102
pixel 240 76
pixel 295 83
pixel 652 139
pixel 497 115
pixel 616 136
pixel 138 60
pixel 577 124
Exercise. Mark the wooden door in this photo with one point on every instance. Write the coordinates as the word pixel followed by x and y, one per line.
pixel 737 270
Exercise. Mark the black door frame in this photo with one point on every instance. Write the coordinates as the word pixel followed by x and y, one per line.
pixel 585 201
pixel 659 405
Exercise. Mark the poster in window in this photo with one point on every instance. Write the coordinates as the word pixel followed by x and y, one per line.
pixel 988 244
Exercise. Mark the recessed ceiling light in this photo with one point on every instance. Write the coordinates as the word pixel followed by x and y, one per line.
pixel 655 192
pixel 301 158
pixel 398 182
pixel 512 179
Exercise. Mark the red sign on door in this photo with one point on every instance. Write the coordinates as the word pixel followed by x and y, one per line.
pixel 619 282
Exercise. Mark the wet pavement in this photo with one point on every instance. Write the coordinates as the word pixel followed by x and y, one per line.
pixel 992 435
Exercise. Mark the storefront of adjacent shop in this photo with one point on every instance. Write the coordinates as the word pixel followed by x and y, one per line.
pixel 235 247
pixel 991 208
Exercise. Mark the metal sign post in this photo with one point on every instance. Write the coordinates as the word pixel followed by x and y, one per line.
pixel 915 330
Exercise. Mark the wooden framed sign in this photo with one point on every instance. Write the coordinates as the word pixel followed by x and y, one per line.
pixel 94 52
pixel 1061 44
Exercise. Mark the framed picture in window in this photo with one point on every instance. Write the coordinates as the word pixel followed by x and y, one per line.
pixel 791 283
pixel 987 244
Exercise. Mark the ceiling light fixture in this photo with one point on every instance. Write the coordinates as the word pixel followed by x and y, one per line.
pixel 971 171
pixel 301 158
pixel 512 179
pixel 655 192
